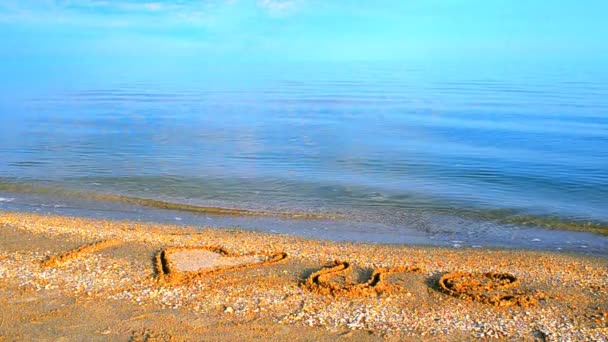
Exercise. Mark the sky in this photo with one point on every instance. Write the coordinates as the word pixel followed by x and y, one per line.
pixel 34 32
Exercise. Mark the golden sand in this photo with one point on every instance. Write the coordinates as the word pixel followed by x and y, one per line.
pixel 143 281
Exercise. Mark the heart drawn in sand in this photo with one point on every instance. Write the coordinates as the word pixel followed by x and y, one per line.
pixel 181 264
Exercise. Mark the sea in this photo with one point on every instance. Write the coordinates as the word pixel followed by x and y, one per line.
pixel 461 156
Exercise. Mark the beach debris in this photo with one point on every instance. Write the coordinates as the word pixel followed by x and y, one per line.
pixel 334 280
pixel 498 289
pixel 175 265
pixel 58 260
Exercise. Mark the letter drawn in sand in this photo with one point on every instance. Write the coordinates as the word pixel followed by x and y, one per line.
pixel 497 289
pixel 333 280
pixel 58 260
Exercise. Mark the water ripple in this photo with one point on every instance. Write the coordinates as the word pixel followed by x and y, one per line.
pixel 377 140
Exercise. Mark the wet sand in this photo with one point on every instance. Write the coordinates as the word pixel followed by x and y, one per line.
pixel 65 278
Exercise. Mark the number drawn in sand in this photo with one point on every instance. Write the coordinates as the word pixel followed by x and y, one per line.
pixel 176 265
pixel 336 280
pixel 498 289
pixel 58 260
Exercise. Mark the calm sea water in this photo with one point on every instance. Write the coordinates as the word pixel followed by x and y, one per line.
pixel 414 149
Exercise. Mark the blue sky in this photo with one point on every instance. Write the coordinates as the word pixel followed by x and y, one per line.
pixel 287 30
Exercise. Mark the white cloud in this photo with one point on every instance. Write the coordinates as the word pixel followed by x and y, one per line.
pixel 115 13
pixel 154 6
pixel 104 12
pixel 280 6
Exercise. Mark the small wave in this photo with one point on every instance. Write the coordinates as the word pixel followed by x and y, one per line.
pixel 159 204
pixel 499 216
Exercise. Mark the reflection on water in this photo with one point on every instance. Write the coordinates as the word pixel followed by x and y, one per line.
pixel 377 143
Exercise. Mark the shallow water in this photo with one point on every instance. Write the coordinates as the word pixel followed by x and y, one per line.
pixel 408 148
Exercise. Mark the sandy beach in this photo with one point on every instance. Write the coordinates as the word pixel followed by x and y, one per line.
pixel 65 278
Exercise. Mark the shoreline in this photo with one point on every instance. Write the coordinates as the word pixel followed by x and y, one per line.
pixel 428 229
pixel 112 290
pixel 501 216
